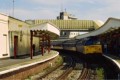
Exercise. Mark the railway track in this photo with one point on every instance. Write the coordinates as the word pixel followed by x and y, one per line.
pixel 67 71
pixel 87 73
pixel 70 67
pixel 61 72
pixel 73 69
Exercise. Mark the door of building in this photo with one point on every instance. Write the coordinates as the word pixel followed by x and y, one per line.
pixel 15 46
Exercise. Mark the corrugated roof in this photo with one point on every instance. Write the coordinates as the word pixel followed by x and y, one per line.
pixel 72 24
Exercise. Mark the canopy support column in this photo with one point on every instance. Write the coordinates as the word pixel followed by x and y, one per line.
pixel 49 44
pixel 42 46
pixel 39 43
pixel 31 42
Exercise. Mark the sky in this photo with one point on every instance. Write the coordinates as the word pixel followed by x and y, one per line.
pixel 50 9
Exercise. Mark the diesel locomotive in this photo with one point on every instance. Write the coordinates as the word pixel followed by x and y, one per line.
pixel 89 45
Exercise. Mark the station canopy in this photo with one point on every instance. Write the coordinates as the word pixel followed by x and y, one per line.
pixel 46 28
pixel 110 25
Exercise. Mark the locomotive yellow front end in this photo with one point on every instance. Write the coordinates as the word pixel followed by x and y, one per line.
pixel 93 49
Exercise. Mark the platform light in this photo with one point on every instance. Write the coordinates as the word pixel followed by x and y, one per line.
pixel 13 7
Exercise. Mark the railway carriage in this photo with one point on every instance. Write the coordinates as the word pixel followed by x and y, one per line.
pixel 89 45
pixel 70 45
pixel 57 44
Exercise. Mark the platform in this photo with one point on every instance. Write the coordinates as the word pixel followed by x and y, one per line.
pixel 10 65
pixel 115 59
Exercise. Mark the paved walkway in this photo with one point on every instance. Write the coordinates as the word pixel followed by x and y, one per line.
pixel 15 63
pixel 115 59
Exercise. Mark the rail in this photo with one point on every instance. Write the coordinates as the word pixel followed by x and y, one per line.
pixel 85 74
pixel 68 70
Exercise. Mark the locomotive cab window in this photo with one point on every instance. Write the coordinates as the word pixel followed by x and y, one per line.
pixel 92 41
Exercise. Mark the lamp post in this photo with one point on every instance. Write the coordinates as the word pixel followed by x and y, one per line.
pixel 13 7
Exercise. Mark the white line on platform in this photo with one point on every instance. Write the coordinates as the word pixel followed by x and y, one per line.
pixel 24 66
pixel 118 64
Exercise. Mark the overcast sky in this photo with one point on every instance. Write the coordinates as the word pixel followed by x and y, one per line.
pixel 49 9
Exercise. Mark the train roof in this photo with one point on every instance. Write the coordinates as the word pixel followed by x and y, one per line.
pixel 110 24
pixel 70 41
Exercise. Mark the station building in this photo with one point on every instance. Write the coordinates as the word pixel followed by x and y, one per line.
pixel 69 25
pixel 18 37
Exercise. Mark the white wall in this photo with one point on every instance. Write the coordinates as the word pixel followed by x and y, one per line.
pixel 15 27
pixel 75 33
pixel 10 27
pixel 4 43
pixel 20 29
pixel 36 42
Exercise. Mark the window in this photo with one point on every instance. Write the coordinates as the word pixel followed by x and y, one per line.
pixel 64 33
